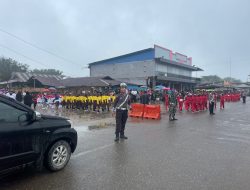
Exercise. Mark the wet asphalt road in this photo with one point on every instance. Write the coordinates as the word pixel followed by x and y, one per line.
pixel 198 151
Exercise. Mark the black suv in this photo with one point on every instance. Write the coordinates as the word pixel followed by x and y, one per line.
pixel 29 138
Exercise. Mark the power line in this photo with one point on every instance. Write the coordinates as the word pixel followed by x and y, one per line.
pixel 38 62
pixel 31 59
pixel 37 47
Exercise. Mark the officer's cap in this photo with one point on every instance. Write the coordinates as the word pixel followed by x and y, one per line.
pixel 123 85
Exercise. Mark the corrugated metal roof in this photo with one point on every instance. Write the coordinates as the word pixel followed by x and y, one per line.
pixel 89 82
pixel 133 81
pixel 241 86
pixel 7 82
pixel 49 81
pixel 145 54
pixel 175 79
pixel 162 60
pixel 57 81
pixel 24 77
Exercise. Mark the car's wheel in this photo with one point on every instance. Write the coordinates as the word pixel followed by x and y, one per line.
pixel 58 156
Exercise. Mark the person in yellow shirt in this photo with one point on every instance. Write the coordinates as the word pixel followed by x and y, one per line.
pixel 103 105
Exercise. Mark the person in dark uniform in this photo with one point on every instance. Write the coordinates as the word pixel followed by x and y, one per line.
pixel 211 104
pixel 144 98
pixel 172 105
pixel 121 107
pixel 244 97
pixel 19 96
pixel 27 100
pixel 34 100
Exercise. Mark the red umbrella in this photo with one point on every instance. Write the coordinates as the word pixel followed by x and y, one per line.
pixel 45 90
pixel 52 89
pixel 165 88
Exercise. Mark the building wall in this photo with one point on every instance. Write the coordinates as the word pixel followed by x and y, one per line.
pixel 172 70
pixel 124 70
pixel 161 52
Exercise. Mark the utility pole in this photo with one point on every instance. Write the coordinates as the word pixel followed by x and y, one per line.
pixel 230 65
pixel 230 70
pixel 34 82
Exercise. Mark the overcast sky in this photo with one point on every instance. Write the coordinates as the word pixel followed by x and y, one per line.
pixel 211 32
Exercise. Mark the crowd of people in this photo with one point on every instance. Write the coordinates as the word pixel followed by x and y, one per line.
pixel 120 102
pixel 25 97
pixel 28 98
pixel 89 102
pixel 100 102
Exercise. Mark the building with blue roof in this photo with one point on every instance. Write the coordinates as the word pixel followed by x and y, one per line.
pixel 149 67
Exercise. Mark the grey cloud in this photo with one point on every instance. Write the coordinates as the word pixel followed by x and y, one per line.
pixel 211 32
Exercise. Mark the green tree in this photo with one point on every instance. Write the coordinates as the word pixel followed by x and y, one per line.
pixel 48 72
pixel 211 79
pixel 232 80
pixel 7 66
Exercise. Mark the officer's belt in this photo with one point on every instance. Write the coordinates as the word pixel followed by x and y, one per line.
pixel 122 109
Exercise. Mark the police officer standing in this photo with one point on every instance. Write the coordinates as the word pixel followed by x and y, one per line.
pixel 211 104
pixel 244 97
pixel 121 107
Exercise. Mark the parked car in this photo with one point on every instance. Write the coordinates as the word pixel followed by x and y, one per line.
pixel 29 138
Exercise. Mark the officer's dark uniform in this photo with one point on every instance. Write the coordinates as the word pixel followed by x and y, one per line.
pixel 172 106
pixel 121 105
pixel 211 104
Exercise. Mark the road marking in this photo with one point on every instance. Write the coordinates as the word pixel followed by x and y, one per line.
pixel 234 140
pixel 90 151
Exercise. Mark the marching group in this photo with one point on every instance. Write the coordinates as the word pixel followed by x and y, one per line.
pixel 95 103
pixel 199 102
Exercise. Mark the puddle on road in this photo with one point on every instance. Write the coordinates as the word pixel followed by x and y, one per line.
pixel 101 125
pixel 81 129
pixel 96 126
pixel 83 121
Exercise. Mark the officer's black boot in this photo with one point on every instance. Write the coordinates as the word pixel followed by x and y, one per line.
pixel 116 138
pixel 123 137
